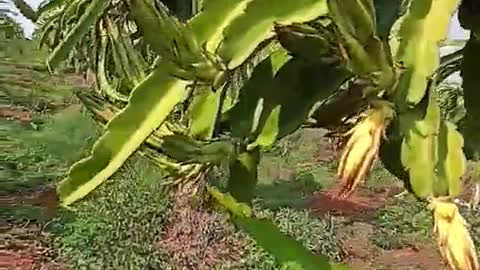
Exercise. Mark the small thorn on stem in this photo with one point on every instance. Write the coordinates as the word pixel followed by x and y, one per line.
pixel 401 194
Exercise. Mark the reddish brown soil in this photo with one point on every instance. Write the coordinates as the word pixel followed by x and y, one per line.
pixel 426 258
pixel 44 197
pixel 360 206
pixel 196 238
pixel 17 113
pixel 361 253
pixel 27 246
pixel 24 247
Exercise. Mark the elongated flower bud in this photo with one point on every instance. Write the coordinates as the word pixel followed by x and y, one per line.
pixel 454 240
pixel 362 147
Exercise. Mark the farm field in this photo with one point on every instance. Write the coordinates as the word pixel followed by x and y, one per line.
pixel 129 223
pixel 239 134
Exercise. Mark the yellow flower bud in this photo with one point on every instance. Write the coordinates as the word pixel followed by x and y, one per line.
pixel 362 148
pixel 454 240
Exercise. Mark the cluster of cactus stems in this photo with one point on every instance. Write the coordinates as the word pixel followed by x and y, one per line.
pixel 171 96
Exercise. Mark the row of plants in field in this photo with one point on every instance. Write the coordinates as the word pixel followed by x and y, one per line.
pixel 220 88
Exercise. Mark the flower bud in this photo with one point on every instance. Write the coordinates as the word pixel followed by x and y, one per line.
pixel 362 147
pixel 454 240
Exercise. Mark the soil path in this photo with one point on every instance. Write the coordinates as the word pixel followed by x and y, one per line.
pixel 26 247
pixel 355 237
pixel 16 113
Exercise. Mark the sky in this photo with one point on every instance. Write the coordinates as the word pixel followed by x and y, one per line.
pixel 455 32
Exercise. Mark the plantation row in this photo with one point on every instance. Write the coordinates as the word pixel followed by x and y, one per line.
pixel 214 91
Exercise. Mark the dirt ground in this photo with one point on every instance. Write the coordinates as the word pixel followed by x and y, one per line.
pixel 13 112
pixel 25 246
pixel 361 254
